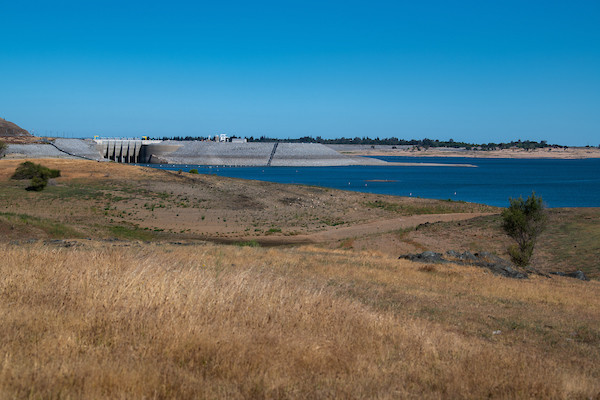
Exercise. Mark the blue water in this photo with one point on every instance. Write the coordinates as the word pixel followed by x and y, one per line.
pixel 561 183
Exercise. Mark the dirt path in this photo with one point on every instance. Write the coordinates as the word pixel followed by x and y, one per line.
pixel 334 234
pixel 388 225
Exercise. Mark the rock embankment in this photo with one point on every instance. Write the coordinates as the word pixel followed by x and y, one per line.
pixel 59 148
pixel 312 155
pixel 34 151
pixel 212 153
pixel 261 154
pixel 79 148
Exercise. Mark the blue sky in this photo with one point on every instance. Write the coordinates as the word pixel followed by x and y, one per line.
pixel 476 71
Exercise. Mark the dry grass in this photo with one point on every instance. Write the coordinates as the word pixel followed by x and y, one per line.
pixel 160 321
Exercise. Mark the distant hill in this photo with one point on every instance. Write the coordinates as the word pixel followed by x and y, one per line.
pixel 9 129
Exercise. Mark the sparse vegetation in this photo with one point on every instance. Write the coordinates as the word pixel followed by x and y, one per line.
pixel 3 147
pixel 524 221
pixel 426 207
pixel 123 232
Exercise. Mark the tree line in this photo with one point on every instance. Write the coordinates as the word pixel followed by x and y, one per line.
pixel 393 141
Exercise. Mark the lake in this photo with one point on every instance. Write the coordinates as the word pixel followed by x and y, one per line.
pixel 561 183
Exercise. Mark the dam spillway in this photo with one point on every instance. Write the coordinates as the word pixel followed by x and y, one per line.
pixel 123 151
pixel 133 151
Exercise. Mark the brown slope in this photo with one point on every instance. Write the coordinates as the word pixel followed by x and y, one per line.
pixel 10 129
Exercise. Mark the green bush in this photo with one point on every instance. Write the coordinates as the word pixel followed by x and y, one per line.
pixel 193 171
pixel 524 221
pixel 3 146
pixel 38 174
pixel 37 184
pixel 29 170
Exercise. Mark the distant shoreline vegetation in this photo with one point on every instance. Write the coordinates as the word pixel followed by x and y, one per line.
pixel 393 141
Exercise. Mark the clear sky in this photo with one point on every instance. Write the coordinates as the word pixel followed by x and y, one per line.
pixel 476 71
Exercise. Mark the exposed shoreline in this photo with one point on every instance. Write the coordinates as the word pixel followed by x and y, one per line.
pixel 551 153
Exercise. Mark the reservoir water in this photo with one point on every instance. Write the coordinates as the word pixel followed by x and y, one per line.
pixel 561 183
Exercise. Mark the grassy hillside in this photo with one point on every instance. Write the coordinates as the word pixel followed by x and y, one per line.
pixel 213 321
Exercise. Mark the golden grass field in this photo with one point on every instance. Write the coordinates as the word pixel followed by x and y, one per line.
pixel 206 321
pixel 168 314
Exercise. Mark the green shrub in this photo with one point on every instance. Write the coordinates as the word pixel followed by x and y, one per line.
pixel 524 221
pixel 29 170
pixel 193 171
pixel 38 174
pixel 37 184
pixel 3 146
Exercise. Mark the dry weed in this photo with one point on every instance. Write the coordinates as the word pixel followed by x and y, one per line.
pixel 230 322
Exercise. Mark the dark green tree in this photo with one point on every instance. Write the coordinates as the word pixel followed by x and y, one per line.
pixel 38 174
pixel 524 221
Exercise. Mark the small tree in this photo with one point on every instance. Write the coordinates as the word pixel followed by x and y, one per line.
pixel 523 221
pixel 3 147
pixel 38 174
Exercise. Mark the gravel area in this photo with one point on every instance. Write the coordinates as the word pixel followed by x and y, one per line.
pixel 83 148
pixel 34 151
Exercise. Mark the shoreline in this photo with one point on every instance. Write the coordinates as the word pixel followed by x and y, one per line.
pixel 565 154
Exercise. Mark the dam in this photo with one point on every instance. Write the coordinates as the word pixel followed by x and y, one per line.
pixel 223 153
pixel 144 151
pixel 133 151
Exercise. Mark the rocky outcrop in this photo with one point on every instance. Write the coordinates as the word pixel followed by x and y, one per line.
pixel 486 260
pixel 577 275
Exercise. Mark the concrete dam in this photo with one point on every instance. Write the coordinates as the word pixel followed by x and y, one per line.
pixel 192 152
pixel 224 153
pixel 133 151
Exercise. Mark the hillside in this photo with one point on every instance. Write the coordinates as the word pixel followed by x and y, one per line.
pixel 10 129
pixel 129 282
